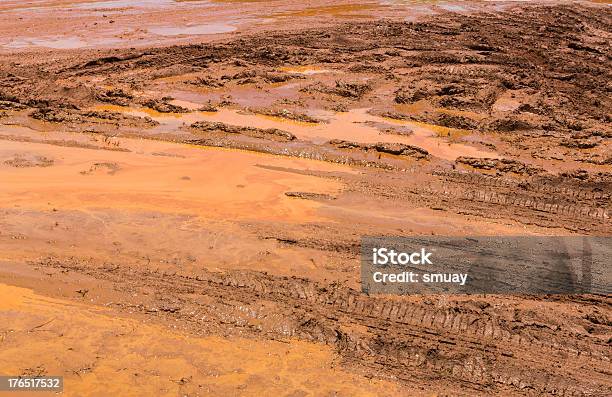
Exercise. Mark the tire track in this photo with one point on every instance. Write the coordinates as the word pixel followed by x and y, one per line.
pixel 481 348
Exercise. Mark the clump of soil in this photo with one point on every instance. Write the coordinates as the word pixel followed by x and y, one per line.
pixel 397 149
pixel 8 105
pixel 508 124
pixel 252 76
pixel 35 161
pixel 286 114
pixel 351 90
pixel 208 107
pixel 391 129
pixel 163 106
pixel 261 133
pixel 449 121
pixel 108 168
pixel 579 143
pixel 500 165
pixel 310 196
pixel 115 96
pixel 206 81
pixel 58 115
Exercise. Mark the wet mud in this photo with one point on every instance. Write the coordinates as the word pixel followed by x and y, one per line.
pixel 217 191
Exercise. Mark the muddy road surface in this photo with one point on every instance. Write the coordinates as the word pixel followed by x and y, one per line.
pixel 159 200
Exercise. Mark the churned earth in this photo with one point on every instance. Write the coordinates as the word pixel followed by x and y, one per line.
pixel 181 214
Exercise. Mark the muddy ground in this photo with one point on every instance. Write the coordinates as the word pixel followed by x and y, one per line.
pixel 215 193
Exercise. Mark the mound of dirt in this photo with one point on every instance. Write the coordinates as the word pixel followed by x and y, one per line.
pixel 260 133
pixel 500 165
pixel 398 149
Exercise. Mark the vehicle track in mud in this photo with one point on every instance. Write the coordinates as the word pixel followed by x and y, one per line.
pixel 543 55
pixel 550 60
pixel 561 203
pixel 547 202
pixel 483 346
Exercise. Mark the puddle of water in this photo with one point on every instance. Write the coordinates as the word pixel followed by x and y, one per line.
pixel 305 70
pixel 453 7
pixel 57 43
pixel 419 8
pixel 62 43
pixel 507 102
pixel 78 30
pixel 350 126
pixel 93 5
pixel 341 10
pixel 124 4
pixel 210 28
pixel 211 183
